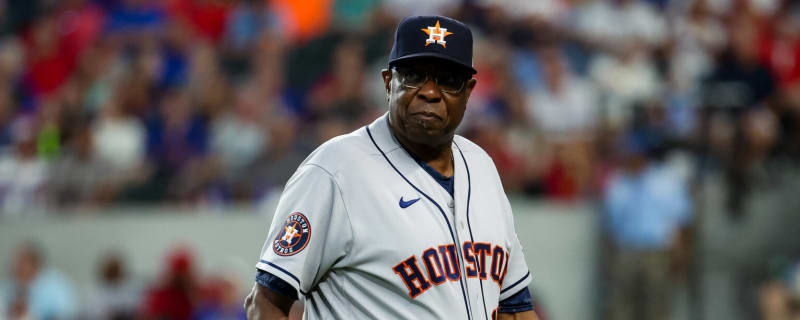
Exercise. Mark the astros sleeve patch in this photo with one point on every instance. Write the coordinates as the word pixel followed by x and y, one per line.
pixel 293 236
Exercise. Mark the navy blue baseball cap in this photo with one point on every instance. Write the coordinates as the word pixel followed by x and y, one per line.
pixel 433 36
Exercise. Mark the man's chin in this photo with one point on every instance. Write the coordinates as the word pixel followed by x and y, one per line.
pixel 427 136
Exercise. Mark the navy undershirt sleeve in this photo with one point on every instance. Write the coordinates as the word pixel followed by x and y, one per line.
pixel 519 302
pixel 276 284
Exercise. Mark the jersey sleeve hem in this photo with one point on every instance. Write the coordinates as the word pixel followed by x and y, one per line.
pixel 277 285
pixel 281 273
pixel 516 309
pixel 519 302
pixel 516 286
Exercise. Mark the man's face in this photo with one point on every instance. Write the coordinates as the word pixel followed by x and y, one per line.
pixel 429 112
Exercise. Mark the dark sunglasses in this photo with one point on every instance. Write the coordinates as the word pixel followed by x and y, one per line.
pixel 447 81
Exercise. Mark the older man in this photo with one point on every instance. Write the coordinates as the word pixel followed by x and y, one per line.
pixel 401 219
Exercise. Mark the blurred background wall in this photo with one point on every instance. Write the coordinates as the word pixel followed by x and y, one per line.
pixel 227 246
pixel 650 147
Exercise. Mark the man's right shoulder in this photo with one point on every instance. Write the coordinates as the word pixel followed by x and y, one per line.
pixel 343 152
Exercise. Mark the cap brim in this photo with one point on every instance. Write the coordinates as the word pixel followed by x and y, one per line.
pixel 433 55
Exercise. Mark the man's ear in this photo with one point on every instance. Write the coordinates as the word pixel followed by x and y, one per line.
pixel 470 85
pixel 387 80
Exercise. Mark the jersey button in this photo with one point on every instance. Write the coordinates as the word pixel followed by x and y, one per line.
pixel 450 204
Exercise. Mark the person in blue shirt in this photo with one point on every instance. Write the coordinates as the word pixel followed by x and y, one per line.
pixel 647 210
pixel 34 291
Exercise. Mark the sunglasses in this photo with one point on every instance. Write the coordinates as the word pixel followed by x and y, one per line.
pixel 447 81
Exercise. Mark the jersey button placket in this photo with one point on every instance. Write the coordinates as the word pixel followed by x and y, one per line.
pixel 458 225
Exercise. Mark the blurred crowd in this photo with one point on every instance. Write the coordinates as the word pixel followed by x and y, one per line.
pixel 35 289
pixel 211 102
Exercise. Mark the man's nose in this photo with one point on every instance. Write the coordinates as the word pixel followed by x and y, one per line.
pixel 430 91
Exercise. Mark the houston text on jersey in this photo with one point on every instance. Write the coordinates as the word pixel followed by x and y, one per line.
pixel 440 264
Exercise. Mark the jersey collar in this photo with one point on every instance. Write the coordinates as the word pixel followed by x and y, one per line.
pixel 383 135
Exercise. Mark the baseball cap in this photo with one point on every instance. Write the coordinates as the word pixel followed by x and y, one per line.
pixel 433 36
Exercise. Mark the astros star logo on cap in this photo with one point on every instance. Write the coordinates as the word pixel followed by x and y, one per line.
pixel 436 34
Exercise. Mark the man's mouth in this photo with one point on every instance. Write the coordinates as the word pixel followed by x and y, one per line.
pixel 426 116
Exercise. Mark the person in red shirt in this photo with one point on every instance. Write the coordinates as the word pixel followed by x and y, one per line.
pixel 173 297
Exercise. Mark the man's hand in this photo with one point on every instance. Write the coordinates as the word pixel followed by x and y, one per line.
pixel 526 315
pixel 263 303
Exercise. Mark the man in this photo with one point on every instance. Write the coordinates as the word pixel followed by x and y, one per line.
pixel 400 219
pixel 648 220
pixel 36 291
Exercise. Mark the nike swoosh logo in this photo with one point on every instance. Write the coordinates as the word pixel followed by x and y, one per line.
pixel 406 204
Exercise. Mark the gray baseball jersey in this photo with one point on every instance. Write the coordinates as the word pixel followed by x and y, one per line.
pixel 363 232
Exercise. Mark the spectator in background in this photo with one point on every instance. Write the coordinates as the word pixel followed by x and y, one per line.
pixel 7 107
pixel 114 297
pixel 647 207
pixel 246 24
pixel 133 16
pixel 780 48
pixel 404 8
pixel 779 296
pixel 565 108
pixel 177 133
pixel 99 72
pixel 55 42
pixel 496 117
pixel 489 134
pixel 11 66
pixel 174 295
pixel 269 173
pixel 341 92
pixel 52 56
pixel 239 136
pixel 781 52
pixel 737 92
pixel 207 18
pixel 79 177
pixel 22 172
pixel 249 22
pixel 565 111
pixel 35 291
pixel 177 138
pixel 613 23
pixel 698 38
pixel 550 11
pixel 740 81
pixel 220 300
pixel 118 136
pixel 208 87
pixel 626 32
pixel 174 50
pixel 626 76
pixel 269 77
